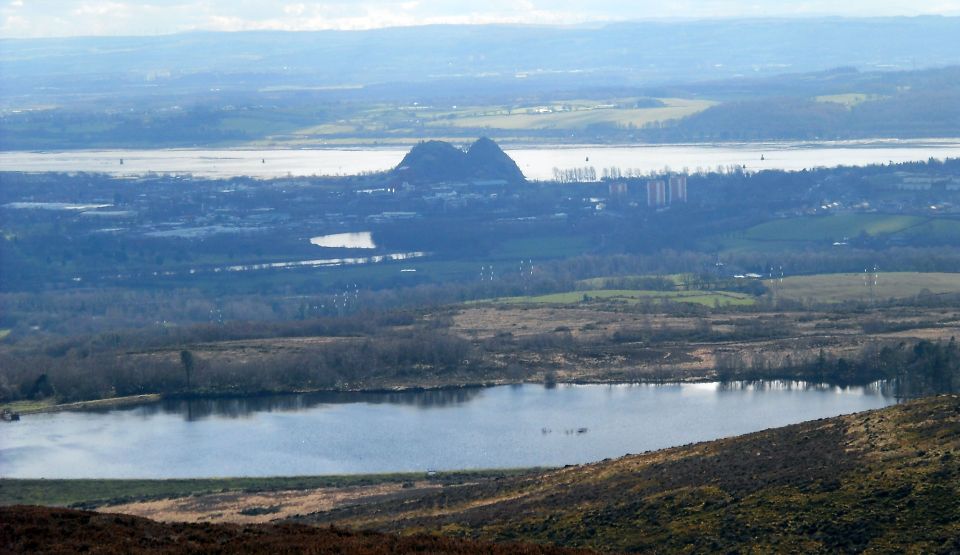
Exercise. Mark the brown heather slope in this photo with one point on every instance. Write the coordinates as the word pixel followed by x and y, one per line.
pixel 28 529
pixel 882 481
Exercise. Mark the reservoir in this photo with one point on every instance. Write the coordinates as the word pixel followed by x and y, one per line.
pixel 343 433
pixel 536 162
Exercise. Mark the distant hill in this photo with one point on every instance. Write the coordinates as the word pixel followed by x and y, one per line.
pixel 439 161
pixel 884 481
pixel 627 53
pixel 842 103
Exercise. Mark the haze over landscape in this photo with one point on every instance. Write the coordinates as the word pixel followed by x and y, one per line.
pixel 520 277
pixel 23 19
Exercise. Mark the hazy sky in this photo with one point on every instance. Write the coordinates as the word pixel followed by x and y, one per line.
pixel 44 18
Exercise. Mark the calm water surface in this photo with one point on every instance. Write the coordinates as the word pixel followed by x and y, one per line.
pixel 535 162
pixel 507 426
pixel 354 240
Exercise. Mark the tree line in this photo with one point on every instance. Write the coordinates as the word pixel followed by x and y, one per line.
pixel 912 369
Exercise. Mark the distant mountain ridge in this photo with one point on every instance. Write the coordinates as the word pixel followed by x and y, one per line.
pixel 439 161
pixel 626 53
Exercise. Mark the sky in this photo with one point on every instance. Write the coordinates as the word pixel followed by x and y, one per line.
pixel 57 18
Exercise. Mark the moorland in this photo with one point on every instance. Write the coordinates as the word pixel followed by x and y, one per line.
pixel 881 480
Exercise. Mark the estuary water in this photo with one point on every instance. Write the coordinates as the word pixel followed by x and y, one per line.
pixel 340 433
pixel 536 162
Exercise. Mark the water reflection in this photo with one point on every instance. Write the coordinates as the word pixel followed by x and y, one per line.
pixel 290 265
pixel 245 407
pixel 323 262
pixel 339 433
pixel 883 388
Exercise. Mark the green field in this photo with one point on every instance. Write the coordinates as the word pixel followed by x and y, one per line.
pixel 572 114
pixel 830 228
pixel 100 492
pixel 401 124
pixel 601 282
pixel 847 287
pixel 804 232
pixel 538 248
pixel 708 298
pixel 939 230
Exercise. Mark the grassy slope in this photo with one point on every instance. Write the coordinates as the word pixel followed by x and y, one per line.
pixel 884 480
pixel 95 493
pixel 845 287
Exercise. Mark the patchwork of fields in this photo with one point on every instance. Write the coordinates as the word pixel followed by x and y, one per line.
pixel 861 286
pixel 573 115
pixel 405 124
pixel 836 230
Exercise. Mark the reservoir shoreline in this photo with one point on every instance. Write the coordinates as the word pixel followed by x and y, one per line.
pixel 519 426
pixel 40 407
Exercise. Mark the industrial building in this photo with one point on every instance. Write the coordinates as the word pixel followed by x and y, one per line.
pixel 678 189
pixel 662 193
pixel 618 189
pixel 656 193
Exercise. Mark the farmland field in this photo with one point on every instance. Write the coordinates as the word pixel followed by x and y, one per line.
pixel 846 287
pixel 804 232
pixel 576 115
pixel 630 296
pixel 830 228
pixel 602 282
pixel 939 230
pixel 406 123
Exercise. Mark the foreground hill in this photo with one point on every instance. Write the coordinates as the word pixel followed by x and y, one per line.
pixel 886 480
pixel 25 529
